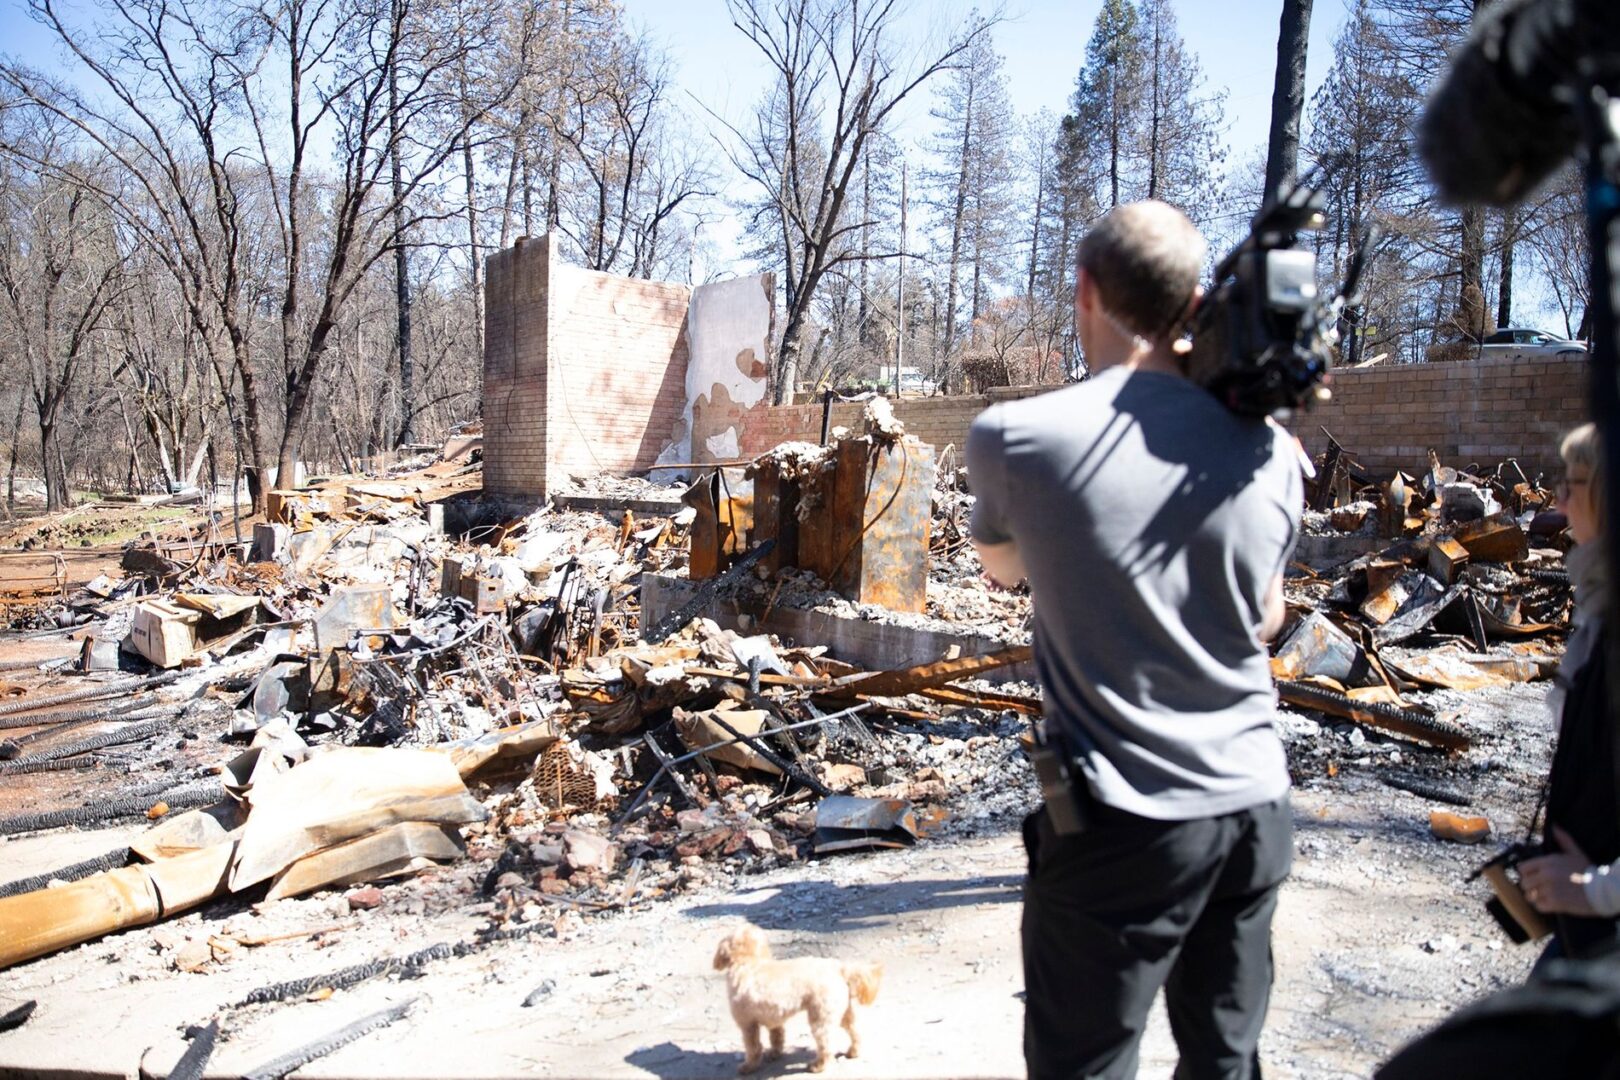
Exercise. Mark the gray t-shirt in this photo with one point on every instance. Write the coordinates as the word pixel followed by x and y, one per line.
pixel 1152 522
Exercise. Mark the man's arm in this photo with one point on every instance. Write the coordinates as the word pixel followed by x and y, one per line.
pixel 1001 562
pixel 987 474
pixel 1276 610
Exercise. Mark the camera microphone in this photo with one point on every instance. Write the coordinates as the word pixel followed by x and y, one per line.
pixel 1503 118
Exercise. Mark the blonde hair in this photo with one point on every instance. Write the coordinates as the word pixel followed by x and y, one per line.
pixel 1583 449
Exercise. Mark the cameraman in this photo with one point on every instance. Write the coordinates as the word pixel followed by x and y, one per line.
pixel 1153 527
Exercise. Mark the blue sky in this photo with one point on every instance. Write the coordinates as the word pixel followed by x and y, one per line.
pixel 1043 42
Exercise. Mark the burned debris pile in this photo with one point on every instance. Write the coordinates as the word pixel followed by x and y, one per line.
pixel 1409 588
pixel 400 678
pixel 411 695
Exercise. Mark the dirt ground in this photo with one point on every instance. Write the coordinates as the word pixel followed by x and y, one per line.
pixel 1377 937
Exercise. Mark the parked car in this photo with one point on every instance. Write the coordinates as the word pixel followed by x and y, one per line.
pixel 1522 344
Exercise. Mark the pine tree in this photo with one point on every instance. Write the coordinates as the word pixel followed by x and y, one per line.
pixel 1179 137
pixel 1359 117
pixel 1106 101
pixel 972 189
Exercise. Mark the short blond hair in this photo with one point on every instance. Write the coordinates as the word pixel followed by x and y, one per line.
pixel 1145 259
pixel 1583 449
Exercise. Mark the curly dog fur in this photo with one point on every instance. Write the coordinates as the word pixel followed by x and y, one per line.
pixel 765 992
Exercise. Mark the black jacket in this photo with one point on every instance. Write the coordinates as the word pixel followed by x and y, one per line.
pixel 1583 797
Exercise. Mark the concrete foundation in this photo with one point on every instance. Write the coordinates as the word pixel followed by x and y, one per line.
pixel 875 646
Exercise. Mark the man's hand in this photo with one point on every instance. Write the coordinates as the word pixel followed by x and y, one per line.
pixel 1556 884
pixel 1003 566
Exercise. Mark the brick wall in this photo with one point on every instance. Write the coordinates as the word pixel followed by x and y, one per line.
pixel 1479 411
pixel 1476 411
pixel 514 369
pixel 617 373
pixel 584 372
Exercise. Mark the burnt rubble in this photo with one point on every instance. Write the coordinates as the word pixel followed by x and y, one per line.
pixel 399 679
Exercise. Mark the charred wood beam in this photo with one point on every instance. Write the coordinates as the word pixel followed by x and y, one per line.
pixel 137 732
pixel 122 713
pixel 343 1036
pixel 1326 476
pixel 109 810
pixel 407 966
pixel 194 1062
pixel 1410 723
pixel 19 768
pixel 28 705
pixel 25 665
pixel 116 711
pixel 15 1018
pixel 1428 789
pixel 710 590
pixel 112 860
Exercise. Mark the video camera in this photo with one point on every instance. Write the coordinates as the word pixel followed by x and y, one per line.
pixel 1263 339
pixel 1517 917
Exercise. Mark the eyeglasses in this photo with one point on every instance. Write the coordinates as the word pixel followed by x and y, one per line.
pixel 1568 484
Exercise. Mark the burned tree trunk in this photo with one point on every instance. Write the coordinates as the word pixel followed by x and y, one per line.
pixel 1288 94
pixel 1504 292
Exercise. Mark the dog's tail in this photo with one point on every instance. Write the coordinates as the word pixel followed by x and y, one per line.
pixel 863 980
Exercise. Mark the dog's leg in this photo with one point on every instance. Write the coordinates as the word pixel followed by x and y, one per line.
pixel 778 1038
pixel 849 1026
pixel 751 1048
pixel 818 1031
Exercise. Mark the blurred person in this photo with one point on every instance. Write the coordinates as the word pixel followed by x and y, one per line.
pixel 1579 881
pixel 1565 1020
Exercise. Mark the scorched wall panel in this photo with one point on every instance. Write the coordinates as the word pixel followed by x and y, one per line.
pixel 617 371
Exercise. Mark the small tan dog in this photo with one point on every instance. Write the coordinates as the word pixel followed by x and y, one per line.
pixel 765 992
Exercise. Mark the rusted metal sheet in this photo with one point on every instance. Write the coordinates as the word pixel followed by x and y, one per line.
pixel 776 513
pixel 881 517
pixel 1381 572
pixel 846 823
pixel 1446 559
pixel 858 520
pixel 1319 648
pixel 724 517
pixel 352 608
pixel 1381 606
pixel 1495 539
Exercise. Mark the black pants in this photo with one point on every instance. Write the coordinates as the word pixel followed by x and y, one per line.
pixel 1132 904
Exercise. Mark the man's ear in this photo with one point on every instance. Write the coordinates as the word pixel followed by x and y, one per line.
pixel 1085 290
pixel 1182 345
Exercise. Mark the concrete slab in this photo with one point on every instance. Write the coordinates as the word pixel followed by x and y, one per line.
pixel 876 646
pixel 1325 552
pixel 609 504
